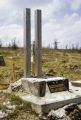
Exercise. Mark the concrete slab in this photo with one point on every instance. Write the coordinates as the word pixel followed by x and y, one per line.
pixel 51 101
pixel 76 90
pixel 76 83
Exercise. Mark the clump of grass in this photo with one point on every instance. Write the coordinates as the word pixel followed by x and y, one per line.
pixel 13 115
pixel 16 100
pixel 25 106
pixel 2 107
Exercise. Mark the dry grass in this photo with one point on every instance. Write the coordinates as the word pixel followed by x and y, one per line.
pixel 23 110
pixel 63 63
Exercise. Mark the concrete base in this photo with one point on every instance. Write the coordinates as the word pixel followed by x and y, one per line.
pixel 76 83
pixel 40 86
pixel 51 101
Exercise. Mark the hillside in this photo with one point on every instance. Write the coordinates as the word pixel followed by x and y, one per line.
pixel 60 62
pixel 65 63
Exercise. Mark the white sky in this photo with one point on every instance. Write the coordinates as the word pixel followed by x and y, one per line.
pixel 61 20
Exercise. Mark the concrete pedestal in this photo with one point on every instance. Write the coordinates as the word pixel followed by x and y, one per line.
pixel 40 86
pixel 51 101
pixel 49 93
pixel 34 86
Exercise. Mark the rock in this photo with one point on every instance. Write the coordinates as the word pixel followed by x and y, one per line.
pixel 4 113
pixel 52 115
pixel 68 112
pixel 70 108
pixel 73 111
pixel 77 115
pixel 15 86
pixel 42 117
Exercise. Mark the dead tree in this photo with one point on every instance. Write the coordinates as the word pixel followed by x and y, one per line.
pixel 0 44
pixel 55 44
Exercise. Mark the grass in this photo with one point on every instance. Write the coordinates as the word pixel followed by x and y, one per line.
pixel 64 63
pixel 20 106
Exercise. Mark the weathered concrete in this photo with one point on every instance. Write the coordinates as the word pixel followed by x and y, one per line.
pixel 27 42
pixel 40 86
pixel 15 86
pixel 38 44
pixel 76 83
pixel 34 86
pixel 51 101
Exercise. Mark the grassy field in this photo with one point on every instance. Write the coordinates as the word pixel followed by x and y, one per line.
pixel 61 62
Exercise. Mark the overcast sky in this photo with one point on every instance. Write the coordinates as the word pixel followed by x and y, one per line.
pixel 61 20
